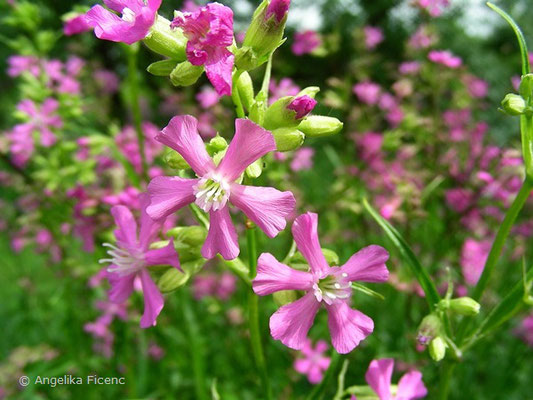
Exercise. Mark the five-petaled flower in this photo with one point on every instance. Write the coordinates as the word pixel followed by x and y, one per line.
pixel 210 32
pixel 323 284
pixel 314 362
pixel 138 16
pixel 131 257
pixel 216 185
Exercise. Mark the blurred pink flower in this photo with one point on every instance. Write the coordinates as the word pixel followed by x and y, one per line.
pixel 76 25
pixel 478 88
pixel 207 97
pixel 434 7
pixel 106 80
pixel 303 159
pixel 305 42
pixel 473 257
pixel 373 36
pixel 409 67
pixel 285 87
pixel 367 92
pixel 314 362
pixel 445 58
pixel 20 64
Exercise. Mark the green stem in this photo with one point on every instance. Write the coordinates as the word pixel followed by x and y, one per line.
pixel 266 80
pixel 142 371
pixel 133 80
pixel 318 391
pixel 235 96
pixel 253 313
pixel 445 380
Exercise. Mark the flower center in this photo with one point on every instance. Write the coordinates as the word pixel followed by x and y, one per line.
pixel 212 193
pixel 332 288
pixel 128 15
pixel 124 262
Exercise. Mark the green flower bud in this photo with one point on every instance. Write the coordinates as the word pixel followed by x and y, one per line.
pixel 171 280
pixel 320 126
pixel 255 169
pixel 464 306
pixel 526 86
pixel 245 87
pixel 284 297
pixel 514 104
pixel 186 74
pixel 193 235
pixel 162 68
pixel 288 139
pixel 216 144
pixel 331 257
pixel 174 160
pixel 310 91
pixel 165 41
pixel 437 348
pixel 429 328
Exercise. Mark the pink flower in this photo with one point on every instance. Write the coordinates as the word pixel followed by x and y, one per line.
pixel 434 7
pixel 305 42
pixel 525 330
pixel 129 146
pixel 445 58
pixel 131 257
pixel 313 362
pixel 155 351
pixel 373 37
pixel 222 286
pixel 107 81
pixel 409 67
pixel 21 144
pixel 42 119
pixel 303 159
pixel 330 286
pixel 302 105
pixel 285 87
pixel 473 258
pixel 137 18
pixel 422 38
pixel 216 185
pixel 379 377
pixel 207 97
pixel 515 81
pixel 459 199
pixel 367 92
pixel 478 88
pixel 76 25
pixel 278 8
pixel 210 32
pixel 20 64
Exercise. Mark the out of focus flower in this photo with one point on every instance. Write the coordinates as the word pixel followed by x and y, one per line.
pixel 367 92
pixel 434 7
pixel 106 80
pixel 129 145
pixel 525 330
pixel 75 25
pixel 155 351
pixel 285 87
pixel 478 88
pixel 20 64
pixel 207 97
pixel 220 286
pixel 324 285
pixel 474 255
pixel 409 67
pixel 209 31
pixel 314 362
pixel 373 36
pixel 216 185
pixel 303 159
pixel 445 58
pixel 137 17
pixel 459 199
pixel 42 119
pixel 379 377
pixel 305 42
pixel 422 38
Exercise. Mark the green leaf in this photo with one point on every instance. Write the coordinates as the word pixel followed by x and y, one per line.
pixel 367 291
pixel 526 68
pixel 423 278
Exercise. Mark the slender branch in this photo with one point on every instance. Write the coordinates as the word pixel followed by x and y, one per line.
pixel 236 97
pixel 445 379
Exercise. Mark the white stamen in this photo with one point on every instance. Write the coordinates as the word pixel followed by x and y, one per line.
pixel 128 15
pixel 212 193
pixel 332 288
pixel 124 262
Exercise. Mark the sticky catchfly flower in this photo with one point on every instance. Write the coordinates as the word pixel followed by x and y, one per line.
pixel 131 256
pixel 216 186
pixel 330 286
pixel 209 31
pixel 137 17
pixel 314 362
pixel 379 377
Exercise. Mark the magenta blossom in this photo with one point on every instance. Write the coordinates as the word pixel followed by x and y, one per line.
pixel 434 7
pixel 478 88
pixel 373 37
pixel 305 42
pixel 445 58
pixel 302 105
pixel 42 119
pixel 379 377
pixel 367 92
pixel 21 144
pixel 76 25
pixel 131 257
pixel 314 362
pixel 525 330
pixel 285 87
pixel 216 185
pixel 474 254
pixel 330 286
pixel 138 16
pixel 17 65
pixel 210 32
pixel 278 8
pixel 422 38
pixel 409 67
pixel 207 97
pixel 303 159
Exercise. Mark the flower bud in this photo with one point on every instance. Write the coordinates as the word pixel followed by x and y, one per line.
pixel 216 144
pixel 288 139
pixel 185 74
pixel 429 328
pixel 310 91
pixel 246 90
pixel 162 68
pixel 437 348
pixel 464 306
pixel 288 111
pixel 171 280
pixel 165 41
pixel 264 34
pixel 320 126
pixel 174 160
pixel 193 235
pixel 284 297
pixel 255 169
pixel 514 104
pixel 526 86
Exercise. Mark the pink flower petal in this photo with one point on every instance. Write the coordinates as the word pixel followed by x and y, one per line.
pixel 126 231
pixel 222 237
pixel 250 143
pixel 291 322
pixel 153 300
pixel 149 228
pixel 302 365
pixel 121 287
pixel 379 375
pixel 305 233
pixel 267 207
pixel 219 68
pixel 164 256
pixel 368 265
pixel 411 386
pixel 169 194
pixel 181 134
pixel 273 276
pixel 347 327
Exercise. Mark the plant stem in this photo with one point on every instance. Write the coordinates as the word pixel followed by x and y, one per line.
pixel 133 80
pixel 235 96
pixel 253 312
pixel 445 380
